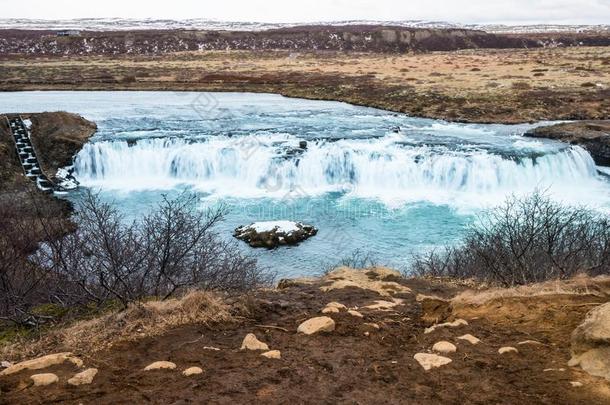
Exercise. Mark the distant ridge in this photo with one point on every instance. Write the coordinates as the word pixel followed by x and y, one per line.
pixel 117 24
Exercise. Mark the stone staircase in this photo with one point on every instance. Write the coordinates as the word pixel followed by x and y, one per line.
pixel 27 155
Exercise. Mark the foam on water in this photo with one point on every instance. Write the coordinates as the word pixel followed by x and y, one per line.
pixel 384 168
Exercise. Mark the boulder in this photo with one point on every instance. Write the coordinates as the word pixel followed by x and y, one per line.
pixel 160 365
pixel 42 380
pixel 444 347
pixel 591 343
pixel 273 354
pixel 43 362
pixel 317 325
pixel 273 234
pixel 355 313
pixel 250 342
pixel 84 378
pixel 192 371
pixel 429 361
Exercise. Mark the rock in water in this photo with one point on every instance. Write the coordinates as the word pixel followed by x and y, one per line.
pixel 591 343
pixel 252 343
pixel 317 325
pixel 273 234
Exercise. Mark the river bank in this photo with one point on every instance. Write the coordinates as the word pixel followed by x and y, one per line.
pixel 56 137
pixel 477 86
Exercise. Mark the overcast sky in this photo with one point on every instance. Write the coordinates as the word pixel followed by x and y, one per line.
pixel 465 11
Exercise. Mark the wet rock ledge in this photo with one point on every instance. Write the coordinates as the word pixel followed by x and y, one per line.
pixel 273 234
pixel 594 136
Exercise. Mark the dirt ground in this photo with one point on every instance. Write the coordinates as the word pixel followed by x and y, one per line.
pixel 504 86
pixel 355 364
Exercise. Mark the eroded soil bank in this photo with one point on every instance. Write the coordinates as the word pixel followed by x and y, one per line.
pixel 367 358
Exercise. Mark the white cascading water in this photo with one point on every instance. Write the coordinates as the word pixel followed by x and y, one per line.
pixel 383 168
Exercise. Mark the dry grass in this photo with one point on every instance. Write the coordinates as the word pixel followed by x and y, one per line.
pixel 579 285
pixel 138 321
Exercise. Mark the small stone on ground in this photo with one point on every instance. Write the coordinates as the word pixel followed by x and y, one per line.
pixel 469 338
pixel 252 343
pixel 444 347
pixel 192 371
pixel 316 325
pixel 429 361
pixel 505 350
pixel 84 378
pixel 273 354
pixel 355 313
pixel 42 380
pixel 454 324
pixel 160 365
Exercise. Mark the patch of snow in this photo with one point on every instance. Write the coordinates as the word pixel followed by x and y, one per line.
pixel 282 226
pixel 28 123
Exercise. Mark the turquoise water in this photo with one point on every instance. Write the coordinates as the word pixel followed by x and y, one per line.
pixel 373 180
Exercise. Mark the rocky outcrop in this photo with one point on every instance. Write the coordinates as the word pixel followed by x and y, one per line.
pixel 273 234
pixel 364 38
pixel 360 38
pixel 594 136
pixel 591 343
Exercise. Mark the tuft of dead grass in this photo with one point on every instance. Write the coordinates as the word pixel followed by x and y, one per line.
pixel 579 285
pixel 138 321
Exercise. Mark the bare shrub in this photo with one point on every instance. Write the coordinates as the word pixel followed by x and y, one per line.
pixel 101 259
pixel 23 285
pixel 356 259
pixel 526 240
pixel 170 249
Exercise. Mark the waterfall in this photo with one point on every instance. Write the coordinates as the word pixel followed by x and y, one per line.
pixel 384 168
